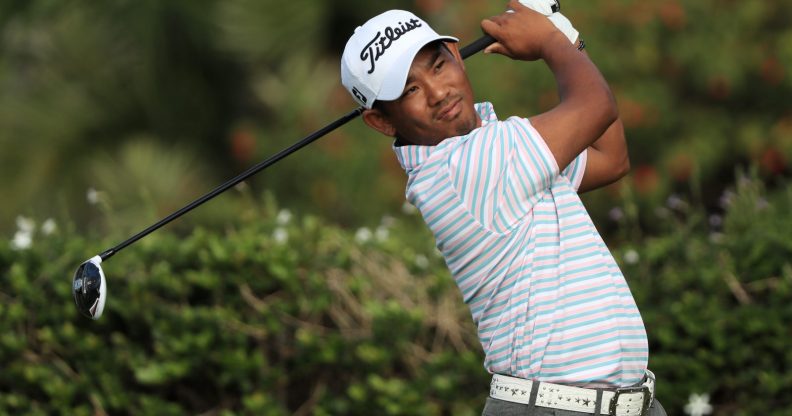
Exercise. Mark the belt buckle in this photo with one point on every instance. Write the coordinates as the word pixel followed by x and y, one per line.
pixel 647 398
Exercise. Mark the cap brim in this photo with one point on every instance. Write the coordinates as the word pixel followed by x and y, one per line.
pixel 397 77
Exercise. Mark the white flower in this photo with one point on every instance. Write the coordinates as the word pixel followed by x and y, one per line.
pixel 92 195
pixel 616 214
pixel 715 220
pixel 409 208
pixel 421 261
pixel 284 216
pixel 726 199
pixel 280 235
pixel 22 240
pixel 25 224
pixel 49 226
pixel 387 221
pixel 631 256
pixel 675 202
pixel 363 235
pixel 382 233
pixel 698 405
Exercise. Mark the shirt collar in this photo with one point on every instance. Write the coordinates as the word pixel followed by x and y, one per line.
pixel 412 156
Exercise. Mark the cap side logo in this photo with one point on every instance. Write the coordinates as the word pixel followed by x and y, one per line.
pixel 380 43
pixel 359 95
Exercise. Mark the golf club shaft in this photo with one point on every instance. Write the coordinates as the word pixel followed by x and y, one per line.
pixel 467 51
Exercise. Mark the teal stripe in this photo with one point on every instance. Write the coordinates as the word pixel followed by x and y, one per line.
pixel 438 218
pixel 451 224
pixel 610 353
pixel 546 267
pixel 526 170
pixel 438 205
pixel 575 235
pixel 466 228
pixel 587 300
pixel 568 205
pixel 580 257
pixel 515 197
pixel 580 247
pixel 581 269
pixel 606 331
pixel 546 257
pixel 593 344
pixel 486 188
pixel 495 305
pixel 570 294
pixel 463 186
pixel 487 262
pixel 557 279
pixel 589 322
pixel 481 237
pixel 593 366
pixel 507 288
pixel 545 222
pixel 537 149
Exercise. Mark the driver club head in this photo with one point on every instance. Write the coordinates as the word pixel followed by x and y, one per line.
pixel 89 288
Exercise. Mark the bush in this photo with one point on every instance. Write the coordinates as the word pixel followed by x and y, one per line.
pixel 277 315
pixel 273 316
pixel 715 294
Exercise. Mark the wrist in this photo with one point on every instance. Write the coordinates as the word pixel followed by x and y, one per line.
pixel 554 43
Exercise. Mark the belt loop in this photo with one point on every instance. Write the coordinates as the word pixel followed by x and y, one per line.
pixel 598 403
pixel 532 399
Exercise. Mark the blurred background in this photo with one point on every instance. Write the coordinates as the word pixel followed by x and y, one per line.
pixel 312 289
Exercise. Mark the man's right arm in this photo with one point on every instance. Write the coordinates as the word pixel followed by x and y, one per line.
pixel 587 107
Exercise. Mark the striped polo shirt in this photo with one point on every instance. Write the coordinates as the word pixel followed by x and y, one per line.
pixel 549 301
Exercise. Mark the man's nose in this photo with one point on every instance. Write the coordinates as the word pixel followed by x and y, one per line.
pixel 437 91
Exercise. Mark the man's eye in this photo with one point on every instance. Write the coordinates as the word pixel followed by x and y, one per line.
pixel 410 90
pixel 439 65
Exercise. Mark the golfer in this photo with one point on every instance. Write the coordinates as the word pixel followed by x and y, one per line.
pixel 558 325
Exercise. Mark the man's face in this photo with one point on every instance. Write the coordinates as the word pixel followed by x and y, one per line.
pixel 437 101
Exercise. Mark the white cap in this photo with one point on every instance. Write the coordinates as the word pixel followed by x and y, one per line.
pixel 378 56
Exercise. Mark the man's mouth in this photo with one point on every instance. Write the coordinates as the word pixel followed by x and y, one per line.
pixel 451 110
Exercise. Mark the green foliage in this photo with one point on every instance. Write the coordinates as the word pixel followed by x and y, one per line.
pixel 702 86
pixel 146 105
pixel 715 293
pixel 273 316
pixel 281 315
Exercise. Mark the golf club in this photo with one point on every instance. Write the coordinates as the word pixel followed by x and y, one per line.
pixel 89 286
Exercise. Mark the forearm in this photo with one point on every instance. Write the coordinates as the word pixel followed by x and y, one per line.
pixel 608 159
pixel 613 143
pixel 581 87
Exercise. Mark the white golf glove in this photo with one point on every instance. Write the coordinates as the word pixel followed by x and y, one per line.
pixel 547 7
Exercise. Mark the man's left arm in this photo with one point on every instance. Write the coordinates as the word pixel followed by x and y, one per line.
pixel 608 160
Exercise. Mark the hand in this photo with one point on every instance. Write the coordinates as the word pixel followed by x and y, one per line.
pixel 522 33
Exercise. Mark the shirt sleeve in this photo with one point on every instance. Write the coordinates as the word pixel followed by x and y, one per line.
pixel 501 171
pixel 575 171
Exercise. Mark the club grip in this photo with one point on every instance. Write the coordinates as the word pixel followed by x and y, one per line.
pixel 476 46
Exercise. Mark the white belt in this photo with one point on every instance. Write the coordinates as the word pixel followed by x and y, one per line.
pixel 625 401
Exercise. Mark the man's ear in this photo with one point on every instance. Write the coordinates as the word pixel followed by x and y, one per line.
pixel 377 120
pixel 453 47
